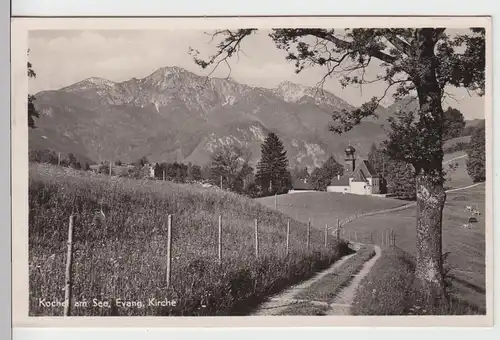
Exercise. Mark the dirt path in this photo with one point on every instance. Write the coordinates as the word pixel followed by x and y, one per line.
pixel 454 159
pixel 342 303
pixel 281 301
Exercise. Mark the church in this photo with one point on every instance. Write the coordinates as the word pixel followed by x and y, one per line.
pixel 361 179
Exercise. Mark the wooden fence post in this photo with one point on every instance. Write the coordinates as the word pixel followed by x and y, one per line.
pixel 164 174
pixel 394 239
pixel 308 234
pixel 326 235
pixel 220 240
pixel 69 262
pixel 338 229
pixel 275 201
pixel 169 249
pixel 287 237
pixel 110 164
pixel 256 239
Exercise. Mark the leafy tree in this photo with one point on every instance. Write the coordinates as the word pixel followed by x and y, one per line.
pixel 401 179
pixel 321 177
pixel 300 173
pixel 43 156
pixel 272 170
pixel 225 165
pixel 32 111
pixel 73 162
pixel 246 179
pixel 476 161
pixel 206 172
pixel 422 60
pixel 193 172
pixel 454 123
pixel 142 161
pixel 378 158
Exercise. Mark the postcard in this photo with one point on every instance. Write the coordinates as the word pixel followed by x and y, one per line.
pixel 274 171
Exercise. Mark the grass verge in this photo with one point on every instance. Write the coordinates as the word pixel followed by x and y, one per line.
pixel 389 290
pixel 122 255
pixel 384 290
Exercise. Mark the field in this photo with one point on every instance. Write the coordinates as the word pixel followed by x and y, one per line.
pixel 466 247
pixel 121 252
pixel 326 207
pixel 458 177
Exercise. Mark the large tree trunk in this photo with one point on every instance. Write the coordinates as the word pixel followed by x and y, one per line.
pixel 429 175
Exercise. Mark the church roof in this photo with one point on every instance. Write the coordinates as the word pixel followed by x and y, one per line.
pixel 343 181
pixel 364 171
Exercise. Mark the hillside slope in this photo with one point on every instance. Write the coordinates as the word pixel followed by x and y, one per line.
pixel 176 115
pixel 120 246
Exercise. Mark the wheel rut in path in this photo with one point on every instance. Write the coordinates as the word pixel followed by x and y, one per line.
pixel 285 299
pixel 343 301
pixel 276 304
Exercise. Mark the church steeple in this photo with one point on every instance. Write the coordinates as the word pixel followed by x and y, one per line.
pixel 350 157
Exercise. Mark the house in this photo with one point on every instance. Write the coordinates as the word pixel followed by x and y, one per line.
pixel 153 169
pixel 301 185
pixel 360 180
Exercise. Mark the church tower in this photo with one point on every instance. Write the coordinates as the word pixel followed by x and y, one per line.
pixel 350 158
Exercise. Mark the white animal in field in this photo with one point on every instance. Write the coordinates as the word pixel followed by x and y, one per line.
pixel 468 208
pixel 466 225
pixel 476 212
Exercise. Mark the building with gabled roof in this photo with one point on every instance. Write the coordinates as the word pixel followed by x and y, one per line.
pixel 359 180
pixel 301 185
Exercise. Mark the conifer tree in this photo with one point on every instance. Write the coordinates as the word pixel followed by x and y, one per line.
pixel 272 170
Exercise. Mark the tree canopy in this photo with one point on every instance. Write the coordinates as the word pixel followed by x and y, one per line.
pixel 454 123
pixel 476 161
pixel 32 111
pixel 321 177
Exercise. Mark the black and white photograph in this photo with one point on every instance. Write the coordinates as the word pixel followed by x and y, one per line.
pixel 296 171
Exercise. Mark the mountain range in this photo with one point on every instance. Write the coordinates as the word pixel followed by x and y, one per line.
pixel 176 115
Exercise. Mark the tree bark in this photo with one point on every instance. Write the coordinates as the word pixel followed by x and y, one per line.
pixel 429 174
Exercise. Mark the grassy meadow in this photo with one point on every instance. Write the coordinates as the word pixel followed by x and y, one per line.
pixel 459 176
pixel 466 247
pixel 122 255
pixel 326 207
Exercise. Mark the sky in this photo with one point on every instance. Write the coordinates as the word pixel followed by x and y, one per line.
pixel 61 58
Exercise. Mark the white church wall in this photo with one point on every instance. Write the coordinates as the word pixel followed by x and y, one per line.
pixel 339 188
pixel 359 188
